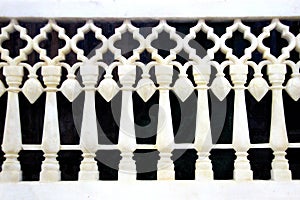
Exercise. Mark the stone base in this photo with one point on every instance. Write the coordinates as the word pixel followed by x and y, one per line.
pixel 88 176
pixel 243 175
pixel 50 175
pixel 127 168
pixel 281 175
pixel 204 175
pixel 152 190
pixel 126 176
pixel 165 175
pixel 10 176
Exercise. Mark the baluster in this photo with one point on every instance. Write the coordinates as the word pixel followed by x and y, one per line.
pixel 240 135
pixel 276 73
pixel 89 133
pixel 51 72
pixel 12 139
pixel 127 73
pixel 238 73
pixel 51 139
pixel 127 140
pixel 278 135
pixel 164 73
pixel 165 136
pixel 203 140
pixel 13 71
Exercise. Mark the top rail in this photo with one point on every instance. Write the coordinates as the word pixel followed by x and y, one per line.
pixel 179 10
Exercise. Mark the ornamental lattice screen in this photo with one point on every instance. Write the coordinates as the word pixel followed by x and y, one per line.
pixel 239 71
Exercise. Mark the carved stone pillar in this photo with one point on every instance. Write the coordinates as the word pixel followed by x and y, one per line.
pixel 240 135
pixel 89 133
pixel 165 135
pixel 51 139
pixel 127 139
pixel 203 140
pixel 278 135
pixel 12 139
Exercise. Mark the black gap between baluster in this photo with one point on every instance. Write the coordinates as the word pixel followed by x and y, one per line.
pixel 292 121
pixel 260 160
pixel 146 163
pixel 184 162
pixel 3 103
pixel 68 115
pixel 184 118
pixel 259 117
pixel 108 164
pixel 223 163
pixel 294 163
pixel 222 119
pixel 108 119
pixel 31 162
pixel 69 162
pixel 32 119
pixel 175 112
pixel 145 118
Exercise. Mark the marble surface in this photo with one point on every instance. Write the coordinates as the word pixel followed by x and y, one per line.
pixel 151 190
pixel 125 9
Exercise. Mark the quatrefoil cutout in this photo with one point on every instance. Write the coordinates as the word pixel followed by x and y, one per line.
pixel 48 28
pixel 285 34
pixel 100 47
pixel 163 26
pixel 245 30
pixel 191 40
pixel 5 35
pixel 125 30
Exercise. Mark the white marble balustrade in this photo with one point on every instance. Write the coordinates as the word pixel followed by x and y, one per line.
pixel 89 68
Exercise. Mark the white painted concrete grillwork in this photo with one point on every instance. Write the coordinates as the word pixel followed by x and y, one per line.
pixel 13 70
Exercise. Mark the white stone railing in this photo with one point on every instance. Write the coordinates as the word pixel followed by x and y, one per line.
pixel 51 68
pixel 46 77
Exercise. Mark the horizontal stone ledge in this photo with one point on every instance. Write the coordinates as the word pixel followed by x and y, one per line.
pixel 151 190
pixel 181 10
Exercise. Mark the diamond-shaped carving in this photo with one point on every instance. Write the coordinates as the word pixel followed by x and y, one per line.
pixel 32 89
pixel 293 88
pixel 258 87
pixel 145 88
pixel 2 88
pixel 71 89
pixel 220 87
pixel 183 88
pixel 108 88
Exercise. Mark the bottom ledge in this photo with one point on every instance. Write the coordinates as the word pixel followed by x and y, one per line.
pixel 151 190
